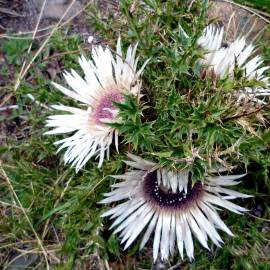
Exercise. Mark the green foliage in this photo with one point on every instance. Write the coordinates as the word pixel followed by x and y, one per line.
pixel 13 48
pixel 182 116
pixel 135 132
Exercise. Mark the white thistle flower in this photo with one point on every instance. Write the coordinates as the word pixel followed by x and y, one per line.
pixel 221 61
pixel 166 203
pixel 105 81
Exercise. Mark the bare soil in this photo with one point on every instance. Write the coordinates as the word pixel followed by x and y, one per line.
pixel 238 21
pixel 26 13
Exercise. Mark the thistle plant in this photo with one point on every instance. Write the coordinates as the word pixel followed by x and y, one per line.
pixel 190 120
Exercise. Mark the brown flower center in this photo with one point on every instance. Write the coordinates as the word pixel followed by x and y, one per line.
pixel 165 197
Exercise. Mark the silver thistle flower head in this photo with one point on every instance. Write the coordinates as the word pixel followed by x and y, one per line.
pixel 107 79
pixel 166 203
pixel 221 60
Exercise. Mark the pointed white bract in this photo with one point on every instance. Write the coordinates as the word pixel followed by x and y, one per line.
pixel 106 79
pixel 221 60
pixel 165 204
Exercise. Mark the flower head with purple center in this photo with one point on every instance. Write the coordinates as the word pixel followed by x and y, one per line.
pixel 106 79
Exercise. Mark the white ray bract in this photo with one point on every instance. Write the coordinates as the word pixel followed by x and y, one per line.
pixel 103 74
pixel 222 60
pixel 170 227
